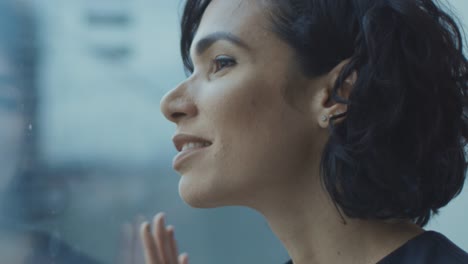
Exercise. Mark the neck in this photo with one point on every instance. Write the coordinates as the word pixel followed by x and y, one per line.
pixel 314 232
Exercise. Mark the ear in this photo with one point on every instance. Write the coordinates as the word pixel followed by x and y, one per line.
pixel 330 108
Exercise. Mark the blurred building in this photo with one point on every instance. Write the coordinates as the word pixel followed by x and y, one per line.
pixel 105 65
pixel 102 68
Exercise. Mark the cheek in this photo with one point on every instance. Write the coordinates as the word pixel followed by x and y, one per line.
pixel 262 139
pixel 244 101
pixel 249 112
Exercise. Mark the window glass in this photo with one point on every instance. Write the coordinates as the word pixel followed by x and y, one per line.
pixel 85 153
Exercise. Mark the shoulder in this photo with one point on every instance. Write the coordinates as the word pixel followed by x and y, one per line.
pixel 428 248
pixel 449 250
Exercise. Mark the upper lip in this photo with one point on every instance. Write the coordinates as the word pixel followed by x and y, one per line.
pixel 181 139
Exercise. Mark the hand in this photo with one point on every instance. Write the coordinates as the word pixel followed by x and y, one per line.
pixel 159 244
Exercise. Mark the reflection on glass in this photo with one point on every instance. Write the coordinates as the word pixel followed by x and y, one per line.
pixel 30 198
pixel 84 148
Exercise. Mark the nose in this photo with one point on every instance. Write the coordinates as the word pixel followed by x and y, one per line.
pixel 178 105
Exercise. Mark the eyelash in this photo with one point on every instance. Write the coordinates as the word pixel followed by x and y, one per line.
pixel 222 61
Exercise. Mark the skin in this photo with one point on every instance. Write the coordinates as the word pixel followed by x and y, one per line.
pixel 264 119
pixel 159 244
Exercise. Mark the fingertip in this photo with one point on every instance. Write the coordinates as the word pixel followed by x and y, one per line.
pixel 183 258
pixel 159 217
pixel 144 227
pixel 170 229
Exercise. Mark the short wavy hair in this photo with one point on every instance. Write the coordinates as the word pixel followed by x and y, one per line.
pixel 399 153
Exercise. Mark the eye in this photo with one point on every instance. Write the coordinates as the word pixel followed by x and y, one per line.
pixel 222 61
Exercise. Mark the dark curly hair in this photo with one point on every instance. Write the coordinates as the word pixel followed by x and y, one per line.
pixel 399 153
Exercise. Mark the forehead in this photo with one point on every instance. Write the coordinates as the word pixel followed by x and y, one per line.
pixel 243 18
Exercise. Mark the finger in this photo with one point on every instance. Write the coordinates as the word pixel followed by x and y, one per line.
pixel 174 252
pixel 149 245
pixel 162 240
pixel 183 258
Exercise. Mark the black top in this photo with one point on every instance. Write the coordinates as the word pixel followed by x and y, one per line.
pixel 427 248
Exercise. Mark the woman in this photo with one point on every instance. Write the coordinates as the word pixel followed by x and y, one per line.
pixel 342 122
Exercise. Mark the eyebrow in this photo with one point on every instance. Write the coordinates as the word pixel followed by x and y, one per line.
pixel 206 42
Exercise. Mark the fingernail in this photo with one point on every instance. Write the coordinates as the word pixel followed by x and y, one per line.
pixel 182 256
pixel 159 216
pixel 163 218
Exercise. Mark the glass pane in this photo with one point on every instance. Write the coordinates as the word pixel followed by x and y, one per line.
pixel 85 152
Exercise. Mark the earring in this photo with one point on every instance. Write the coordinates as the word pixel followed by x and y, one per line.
pixel 324 118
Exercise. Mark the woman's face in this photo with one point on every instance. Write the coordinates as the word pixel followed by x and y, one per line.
pixel 251 142
pixel 12 122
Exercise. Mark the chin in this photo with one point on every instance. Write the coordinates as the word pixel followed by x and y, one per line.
pixel 198 196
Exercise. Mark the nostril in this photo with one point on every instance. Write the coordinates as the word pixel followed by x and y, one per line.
pixel 177 115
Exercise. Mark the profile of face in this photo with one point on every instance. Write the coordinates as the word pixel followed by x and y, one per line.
pixel 12 124
pixel 254 142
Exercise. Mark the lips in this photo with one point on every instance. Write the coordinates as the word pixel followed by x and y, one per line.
pixel 188 147
pixel 184 141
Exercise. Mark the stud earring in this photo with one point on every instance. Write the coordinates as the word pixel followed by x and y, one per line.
pixel 324 118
